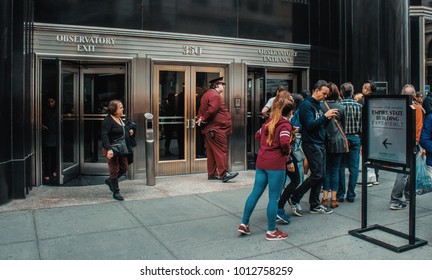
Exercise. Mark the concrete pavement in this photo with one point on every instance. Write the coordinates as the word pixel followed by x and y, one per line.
pixel 190 218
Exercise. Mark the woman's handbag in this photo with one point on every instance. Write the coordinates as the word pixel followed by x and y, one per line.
pixel 119 146
pixel 342 136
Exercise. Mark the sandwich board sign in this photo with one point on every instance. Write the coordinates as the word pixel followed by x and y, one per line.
pixel 389 129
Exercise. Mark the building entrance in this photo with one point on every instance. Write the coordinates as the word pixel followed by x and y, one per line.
pixel 177 91
pixel 81 93
pixel 261 86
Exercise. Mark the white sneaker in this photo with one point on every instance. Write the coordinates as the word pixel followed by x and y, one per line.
pixel 398 206
pixel 321 210
pixel 296 208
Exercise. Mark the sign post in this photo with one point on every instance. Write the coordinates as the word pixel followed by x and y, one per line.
pixel 389 144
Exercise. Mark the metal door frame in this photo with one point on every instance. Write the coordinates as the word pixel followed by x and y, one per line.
pixel 190 164
pixel 99 168
pixel 257 104
pixel 72 171
pixel 76 65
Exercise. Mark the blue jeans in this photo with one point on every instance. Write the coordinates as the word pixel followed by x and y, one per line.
pixel 333 167
pixel 275 180
pixel 352 161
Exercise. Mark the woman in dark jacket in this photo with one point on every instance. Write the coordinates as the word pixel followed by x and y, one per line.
pixel 335 147
pixel 113 128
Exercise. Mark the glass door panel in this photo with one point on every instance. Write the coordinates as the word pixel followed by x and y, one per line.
pixel 171 94
pixel 177 91
pixel 98 87
pixel 171 115
pixel 261 86
pixel 255 102
pixel 200 84
pixel 68 126
pixel 289 80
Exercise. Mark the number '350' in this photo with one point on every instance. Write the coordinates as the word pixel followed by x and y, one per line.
pixel 191 50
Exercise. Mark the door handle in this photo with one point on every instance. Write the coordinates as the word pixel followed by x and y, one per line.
pixel 187 123
pixel 193 123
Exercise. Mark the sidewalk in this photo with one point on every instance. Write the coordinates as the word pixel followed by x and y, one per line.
pixel 191 218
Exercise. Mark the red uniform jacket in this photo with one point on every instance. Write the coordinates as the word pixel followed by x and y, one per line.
pixel 214 113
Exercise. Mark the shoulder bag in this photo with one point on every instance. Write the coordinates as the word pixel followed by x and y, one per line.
pixel 119 146
pixel 342 133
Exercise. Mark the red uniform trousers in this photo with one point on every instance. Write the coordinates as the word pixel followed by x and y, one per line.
pixel 217 154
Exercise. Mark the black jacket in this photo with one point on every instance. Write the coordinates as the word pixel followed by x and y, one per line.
pixel 111 131
pixel 427 104
pixel 313 122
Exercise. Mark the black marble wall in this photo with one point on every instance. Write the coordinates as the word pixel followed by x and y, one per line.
pixel 16 141
pixel 274 20
pixel 325 40
pixel 5 96
pixel 361 40
pixel 380 43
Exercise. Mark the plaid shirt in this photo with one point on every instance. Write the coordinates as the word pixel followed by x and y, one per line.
pixel 353 116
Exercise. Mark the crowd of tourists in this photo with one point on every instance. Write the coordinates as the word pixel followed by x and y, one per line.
pixel 308 142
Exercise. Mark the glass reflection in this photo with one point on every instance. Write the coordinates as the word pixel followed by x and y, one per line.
pixel 69 123
pixel 98 90
pixel 171 115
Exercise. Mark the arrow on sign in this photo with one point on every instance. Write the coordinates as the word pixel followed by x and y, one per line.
pixel 385 143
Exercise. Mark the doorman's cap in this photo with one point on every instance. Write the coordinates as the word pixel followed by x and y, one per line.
pixel 217 81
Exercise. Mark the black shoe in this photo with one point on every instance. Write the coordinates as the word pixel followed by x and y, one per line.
pixel 118 196
pixel 228 176
pixel 350 199
pixel 340 199
pixel 214 178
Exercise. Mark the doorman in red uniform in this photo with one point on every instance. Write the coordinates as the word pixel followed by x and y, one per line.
pixel 215 122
